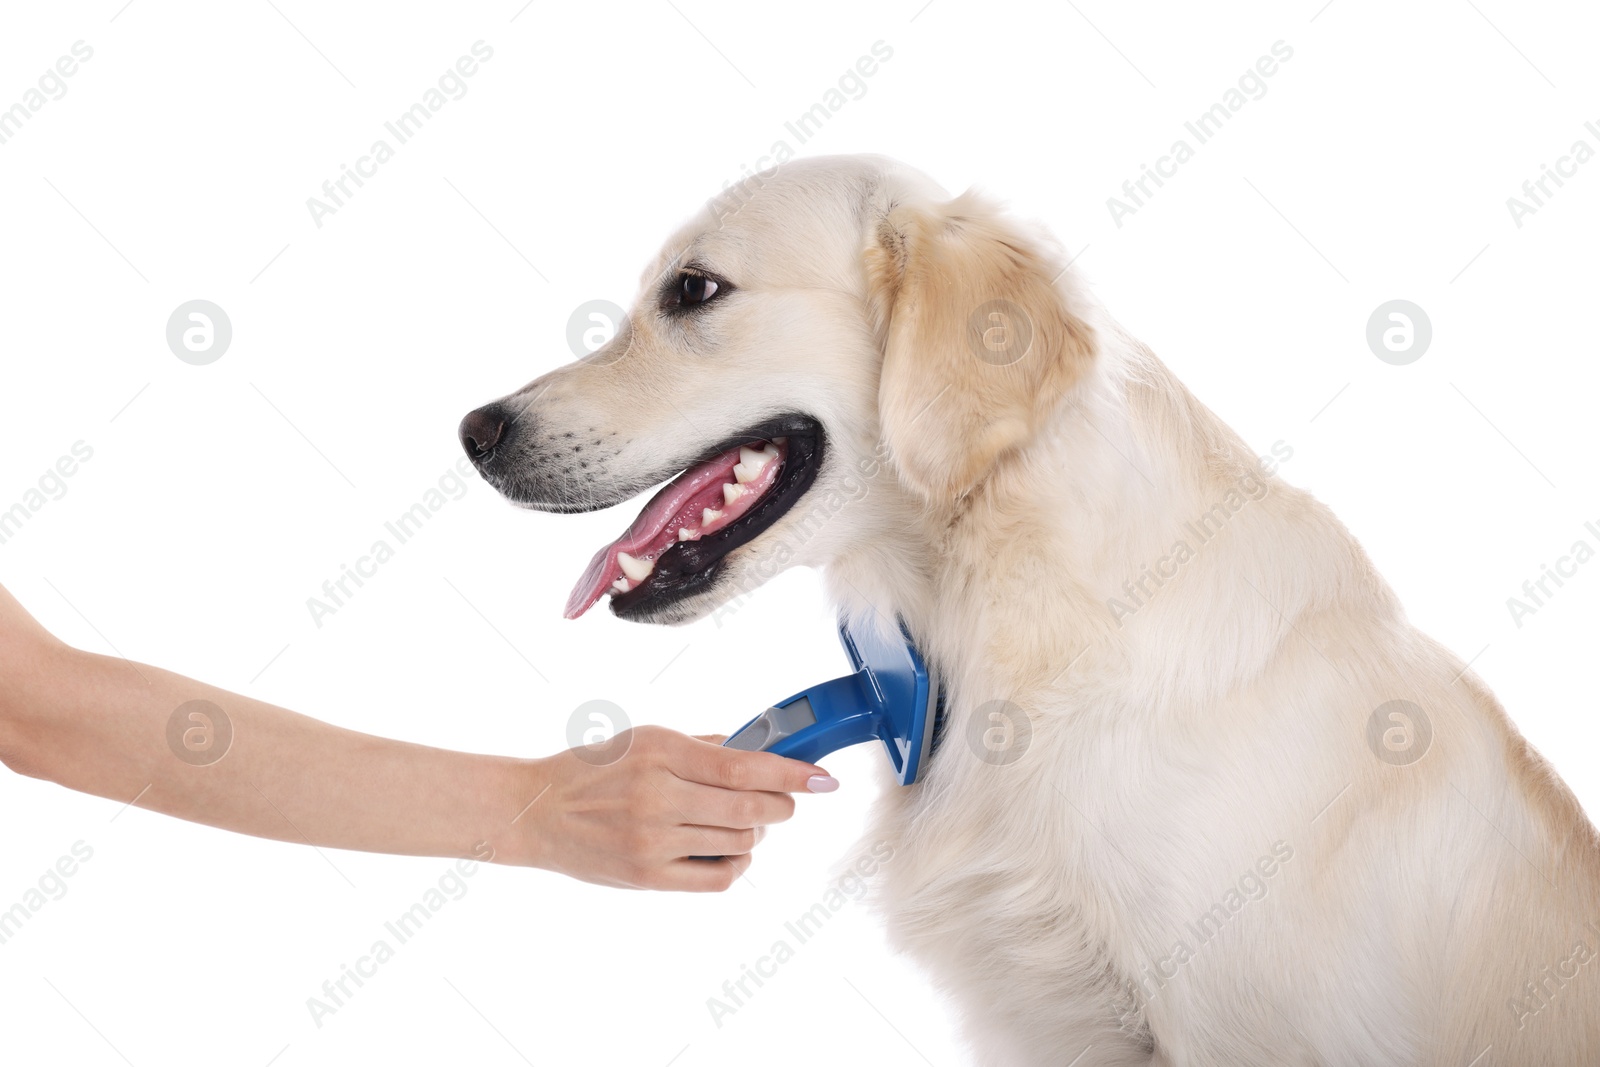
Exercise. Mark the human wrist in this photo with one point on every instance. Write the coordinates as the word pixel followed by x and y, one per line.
pixel 518 840
pixel 32 663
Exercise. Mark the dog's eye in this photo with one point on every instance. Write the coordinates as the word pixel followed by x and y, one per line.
pixel 693 289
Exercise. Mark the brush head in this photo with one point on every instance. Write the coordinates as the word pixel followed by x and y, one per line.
pixel 902 688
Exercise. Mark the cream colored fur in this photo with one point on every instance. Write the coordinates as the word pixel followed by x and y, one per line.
pixel 1219 729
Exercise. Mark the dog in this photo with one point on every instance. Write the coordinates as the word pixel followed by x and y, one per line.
pixel 1202 796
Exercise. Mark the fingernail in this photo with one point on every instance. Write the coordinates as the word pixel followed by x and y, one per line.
pixel 822 783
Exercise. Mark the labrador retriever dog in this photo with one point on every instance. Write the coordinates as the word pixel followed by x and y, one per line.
pixel 1202 796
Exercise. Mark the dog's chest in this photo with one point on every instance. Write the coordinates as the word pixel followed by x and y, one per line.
pixel 1056 865
pixel 987 882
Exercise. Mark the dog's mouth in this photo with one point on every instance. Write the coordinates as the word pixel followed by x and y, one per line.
pixel 677 545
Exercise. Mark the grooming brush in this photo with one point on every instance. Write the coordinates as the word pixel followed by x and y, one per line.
pixel 890 697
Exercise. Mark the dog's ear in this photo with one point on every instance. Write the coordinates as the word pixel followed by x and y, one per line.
pixel 979 347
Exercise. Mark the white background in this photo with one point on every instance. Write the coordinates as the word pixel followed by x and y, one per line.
pixel 177 166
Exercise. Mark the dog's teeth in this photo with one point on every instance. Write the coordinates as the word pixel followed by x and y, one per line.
pixel 709 516
pixel 780 440
pixel 731 492
pixel 621 585
pixel 637 569
pixel 751 463
pixel 686 534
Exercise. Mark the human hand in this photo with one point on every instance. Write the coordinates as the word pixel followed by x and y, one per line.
pixel 632 812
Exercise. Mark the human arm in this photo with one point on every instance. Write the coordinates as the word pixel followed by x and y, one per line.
pixel 100 725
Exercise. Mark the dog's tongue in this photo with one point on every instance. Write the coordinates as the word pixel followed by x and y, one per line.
pixel 598 576
pixel 681 504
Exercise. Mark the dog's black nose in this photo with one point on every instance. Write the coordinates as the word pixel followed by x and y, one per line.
pixel 481 430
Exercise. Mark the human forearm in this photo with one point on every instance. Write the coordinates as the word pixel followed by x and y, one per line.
pixel 100 725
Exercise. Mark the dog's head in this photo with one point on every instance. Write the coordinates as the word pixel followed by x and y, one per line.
pixel 822 352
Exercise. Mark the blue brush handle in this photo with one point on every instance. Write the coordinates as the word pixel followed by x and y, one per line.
pixel 844 713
